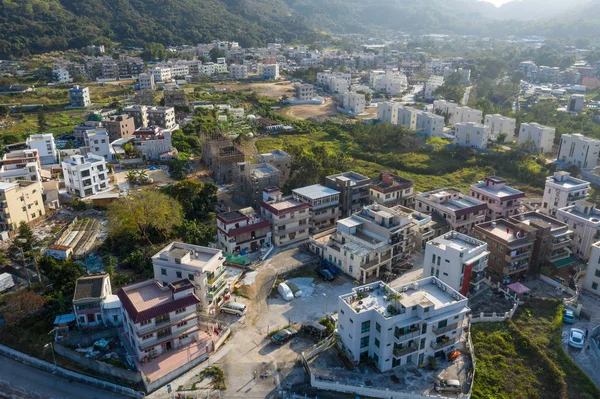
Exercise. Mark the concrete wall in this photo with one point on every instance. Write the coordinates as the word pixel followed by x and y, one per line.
pixel 154 385
pixel 87 337
pixel 133 377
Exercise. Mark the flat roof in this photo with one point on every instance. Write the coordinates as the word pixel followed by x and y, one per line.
pixel 499 191
pixel 457 241
pixel 148 296
pixel 315 191
pixel 7 186
pixel 504 229
pixel 353 177
pixel 285 204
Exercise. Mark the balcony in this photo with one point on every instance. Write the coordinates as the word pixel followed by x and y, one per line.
pixel 444 343
pixel 214 290
pixel 375 262
pixel 164 333
pixel 480 267
pixel 516 256
pixel 516 267
pixel 576 197
pixel 214 276
pixel 557 255
pixel 451 327
pixel 407 336
pixel 405 351
pixel 561 242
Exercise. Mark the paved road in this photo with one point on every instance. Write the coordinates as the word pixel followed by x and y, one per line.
pixel 46 384
pixel 465 99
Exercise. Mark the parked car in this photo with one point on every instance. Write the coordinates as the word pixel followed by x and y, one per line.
pixel 285 292
pixel 325 274
pixel 284 335
pixel 233 308
pixel 452 386
pixel 568 316
pixel 314 328
pixel 576 338
pixel 332 269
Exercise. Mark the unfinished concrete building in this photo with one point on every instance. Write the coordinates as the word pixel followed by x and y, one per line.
pixel 251 179
pixel 221 155
pixel 280 160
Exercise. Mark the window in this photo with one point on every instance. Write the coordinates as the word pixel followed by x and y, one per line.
pixel 178 274
pixel 595 286
pixel 377 343
pixel 351 321
pixel 597 273
pixel 375 358
pixel 342 311
pixel 426 310
pixel 163 271
pixel 365 326
pixel 183 323
pixel 364 342
pixel 191 277
pixel 145 322
pixel 147 336
pixel 377 327
pixel 181 310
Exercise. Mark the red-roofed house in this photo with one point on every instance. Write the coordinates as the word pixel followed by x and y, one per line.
pixel 158 318
pixel 238 231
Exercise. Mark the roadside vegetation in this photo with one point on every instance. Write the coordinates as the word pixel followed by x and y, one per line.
pixel 523 358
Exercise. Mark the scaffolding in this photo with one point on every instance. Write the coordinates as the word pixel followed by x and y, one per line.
pixel 221 154
pixel 251 179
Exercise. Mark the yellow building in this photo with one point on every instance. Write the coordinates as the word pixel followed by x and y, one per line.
pixel 20 202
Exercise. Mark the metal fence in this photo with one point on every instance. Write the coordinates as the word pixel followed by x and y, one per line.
pixel 70 375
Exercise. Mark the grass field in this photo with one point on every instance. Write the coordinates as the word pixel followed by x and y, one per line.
pixel 523 358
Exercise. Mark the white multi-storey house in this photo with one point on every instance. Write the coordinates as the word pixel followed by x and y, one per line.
pixel 354 103
pixel 242 231
pixel 162 74
pixel 472 135
pixel 238 71
pixel 368 243
pixel 401 325
pixel 500 124
pixel 97 142
pixel 270 71
pixel 458 260
pixel 592 276
pixel 576 149
pixel 21 165
pixel 146 81
pixel 290 219
pixel 407 117
pixel 201 265
pixel 431 86
pixel 460 211
pixel 584 220
pixel 431 125
pixel 388 112
pixel 162 116
pixel 325 206
pixel 46 147
pixel 158 319
pixel 539 137
pixel 456 113
pixel 85 176
pixel 80 97
pixel 563 190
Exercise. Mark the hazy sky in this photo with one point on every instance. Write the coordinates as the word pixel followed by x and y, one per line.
pixel 497 2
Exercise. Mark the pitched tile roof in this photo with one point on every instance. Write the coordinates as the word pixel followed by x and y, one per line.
pixel 89 287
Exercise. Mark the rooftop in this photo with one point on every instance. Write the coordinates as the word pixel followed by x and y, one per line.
pixel 89 287
pixel 506 230
pixel 457 241
pixel 452 199
pixel 353 177
pixel 188 254
pixel 315 191
pixel 498 188
pixel 565 180
pixel 233 215
pixel 539 219
pixel 583 210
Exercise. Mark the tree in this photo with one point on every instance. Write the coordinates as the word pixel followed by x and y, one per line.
pixel 132 177
pixel 24 242
pixel 62 274
pixel 154 52
pixel 518 77
pixel 19 306
pixel 437 143
pixel 215 53
pixel 4 111
pixel 196 233
pixel 145 216
pixel 178 168
pixel 454 79
pixel 197 199
pixel 42 122
pixel 502 138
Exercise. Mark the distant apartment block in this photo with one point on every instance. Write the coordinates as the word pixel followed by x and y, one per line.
pixel 370 242
pixel 563 190
pixel 304 92
pixel 576 149
pixel 269 71
pixel 239 231
pixel 401 325
pixel 499 124
pixel 80 97
pixel 334 82
pixel 237 71
pixel 461 212
pixel 472 135
pixel 389 82
pixel 511 245
pixel 154 143
pixel 146 81
pixel 584 219
pixel 325 206
pixel 576 103
pixel 354 190
pixel 539 138
pixel 407 117
pixel 458 260
pixel 139 113
pixel 457 114
pixel 85 176
pixel 20 201
pixel 429 124
pixel 281 161
pixel 388 112
pixel 431 86
pixel 161 74
pixel 354 103
pixel 502 200
pixel 21 165
pixel 162 116
pixel 175 97
pixel 290 218
pixel 202 266
pixel 391 190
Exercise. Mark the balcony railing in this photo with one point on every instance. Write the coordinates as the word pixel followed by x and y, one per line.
pixel 443 344
pixel 573 197
pixel 405 351
pixel 518 256
pixel 374 262
pixel 516 267
pixel 407 336
pixel 451 327
pixel 215 277
pixel 158 322
pixel 214 290
pixel 557 255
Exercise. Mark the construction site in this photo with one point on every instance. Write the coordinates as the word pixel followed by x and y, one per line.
pixel 251 179
pixel 221 154
pixel 82 236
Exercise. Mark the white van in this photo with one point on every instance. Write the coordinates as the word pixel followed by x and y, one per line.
pixel 285 292
pixel 234 308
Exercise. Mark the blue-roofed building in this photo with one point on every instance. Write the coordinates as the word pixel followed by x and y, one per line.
pixel 325 206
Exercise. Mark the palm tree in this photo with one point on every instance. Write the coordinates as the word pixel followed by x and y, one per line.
pixel 142 176
pixel 132 176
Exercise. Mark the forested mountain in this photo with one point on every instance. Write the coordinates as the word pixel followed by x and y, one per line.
pixel 28 26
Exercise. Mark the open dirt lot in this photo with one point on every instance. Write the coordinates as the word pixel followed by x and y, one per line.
pixel 311 111
pixel 271 89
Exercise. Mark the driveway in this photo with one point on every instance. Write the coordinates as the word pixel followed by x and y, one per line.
pixel 587 358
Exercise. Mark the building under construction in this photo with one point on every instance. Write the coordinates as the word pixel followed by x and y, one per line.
pixel 221 155
pixel 251 179
pixel 281 160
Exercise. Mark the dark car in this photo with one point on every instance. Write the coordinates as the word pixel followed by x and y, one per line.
pixel 314 328
pixel 284 335
pixel 333 270
pixel 325 274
